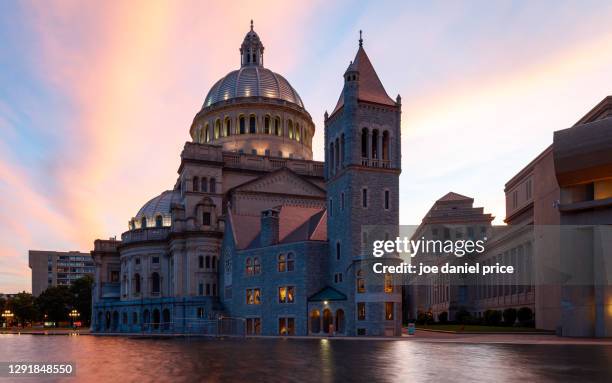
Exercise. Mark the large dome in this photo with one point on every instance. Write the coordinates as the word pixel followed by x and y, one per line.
pixel 252 81
pixel 159 205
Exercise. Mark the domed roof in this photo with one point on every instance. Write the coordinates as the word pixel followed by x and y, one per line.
pixel 252 81
pixel 160 205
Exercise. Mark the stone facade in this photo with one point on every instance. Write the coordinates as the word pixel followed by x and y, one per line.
pixel 247 240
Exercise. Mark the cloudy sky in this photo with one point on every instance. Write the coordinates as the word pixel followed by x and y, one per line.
pixel 96 98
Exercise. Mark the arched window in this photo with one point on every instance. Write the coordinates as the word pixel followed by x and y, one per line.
pixel 337 162
pixel 208 261
pixel 327 321
pixel 385 146
pixel 249 266
pixel 360 282
pixel 375 144
pixel 364 143
pixel 282 263
pixel 228 127
pixel 156 319
pixel 165 319
pixel 252 126
pixel 155 285
pixel 256 266
pixel 277 126
pixel 214 263
pixel 143 223
pixel 331 156
pixel 217 129
pixel 298 133
pixel 213 185
pixel 159 221
pixel 136 283
pixel 290 126
pixel 267 129
pixel 196 184
pixel 315 322
pixel 206 134
pixel 242 124
pixel 388 283
pixel 342 150
pixel 290 262
pixel 340 321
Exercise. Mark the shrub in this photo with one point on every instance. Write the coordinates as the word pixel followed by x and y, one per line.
pixel 509 316
pixel 524 315
pixel 443 317
pixel 424 317
pixel 492 317
pixel 463 316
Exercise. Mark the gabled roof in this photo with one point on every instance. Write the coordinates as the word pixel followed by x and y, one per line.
pixel 600 111
pixel 296 224
pixel 282 181
pixel 452 196
pixel 371 88
pixel 327 294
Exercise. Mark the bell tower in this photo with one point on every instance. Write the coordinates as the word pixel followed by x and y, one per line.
pixel 362 168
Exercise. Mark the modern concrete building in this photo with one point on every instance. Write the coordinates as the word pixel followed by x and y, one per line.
pixel 558 237
pixel 56 268
pixel 254 229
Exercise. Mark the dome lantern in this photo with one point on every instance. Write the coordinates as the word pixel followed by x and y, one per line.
pixel 251 50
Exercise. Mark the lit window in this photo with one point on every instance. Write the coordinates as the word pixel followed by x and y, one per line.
pixel 388 283
pixel 282 263
pixel 256 266
pixel 360 282
pixel 286 294
pixel 253 296
pixel 361 311
pixel 286 326
pixel 389 306
pixel 253 326
pixel 249 267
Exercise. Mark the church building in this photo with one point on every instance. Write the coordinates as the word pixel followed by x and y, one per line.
pixel 255 237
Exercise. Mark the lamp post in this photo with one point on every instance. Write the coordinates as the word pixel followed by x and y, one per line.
pixel 8 317
pixel 74 314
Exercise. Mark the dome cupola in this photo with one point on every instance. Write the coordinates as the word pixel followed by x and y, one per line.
pixel 251 50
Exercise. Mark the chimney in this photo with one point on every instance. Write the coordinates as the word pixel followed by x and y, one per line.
pixel 269 227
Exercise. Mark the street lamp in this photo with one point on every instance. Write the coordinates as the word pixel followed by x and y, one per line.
pixel 8 316
pixel 74 314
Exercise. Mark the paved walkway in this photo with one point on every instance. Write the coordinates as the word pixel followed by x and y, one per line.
pixel 439 337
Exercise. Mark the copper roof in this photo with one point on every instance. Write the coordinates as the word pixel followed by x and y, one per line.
pixel 371 88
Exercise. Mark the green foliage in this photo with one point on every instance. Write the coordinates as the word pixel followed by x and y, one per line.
pixel 443 317
pixel 463 316
pixel 81 290
pixel 22 305
pixel 54 302
pixel 510 316
pixel 424 317
pixel 492 317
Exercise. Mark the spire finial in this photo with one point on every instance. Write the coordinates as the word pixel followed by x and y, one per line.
pixel 360 39
pixel 251 24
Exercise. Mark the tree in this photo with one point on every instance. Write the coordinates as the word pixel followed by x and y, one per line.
pixel 81 290
pixel 463 316
pixel 22 306
pixel 492 317
pixel 55 302
pixel 509 316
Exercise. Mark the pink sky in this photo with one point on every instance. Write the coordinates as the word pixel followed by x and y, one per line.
pixel 104 93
